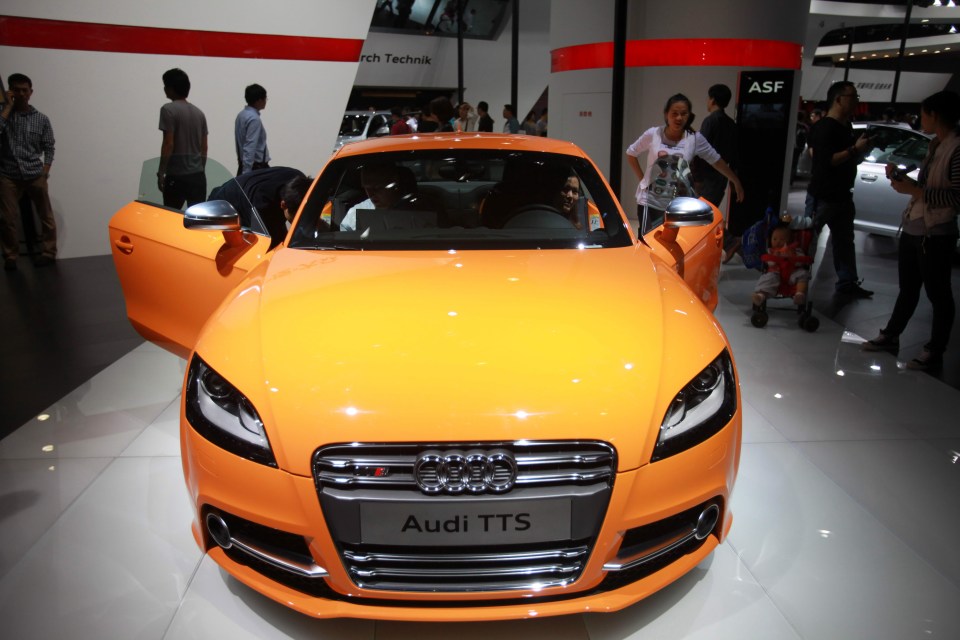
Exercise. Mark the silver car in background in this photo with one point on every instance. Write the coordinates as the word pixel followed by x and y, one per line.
pixel 879 207
pixel 360 125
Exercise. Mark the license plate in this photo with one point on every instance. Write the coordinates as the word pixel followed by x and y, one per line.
pixel 465 523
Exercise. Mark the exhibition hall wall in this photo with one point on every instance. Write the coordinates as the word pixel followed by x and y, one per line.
pixel 104 105
pixel 394 60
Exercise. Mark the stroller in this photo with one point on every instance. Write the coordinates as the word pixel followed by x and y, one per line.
pixel 757 254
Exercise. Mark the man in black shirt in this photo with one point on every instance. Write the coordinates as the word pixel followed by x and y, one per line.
pixel 721 132
pixel 485 122
pixel 836 154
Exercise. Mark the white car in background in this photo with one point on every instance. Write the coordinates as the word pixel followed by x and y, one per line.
pixel 360 125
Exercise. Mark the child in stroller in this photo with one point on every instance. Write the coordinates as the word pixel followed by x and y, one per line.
pixel 785 271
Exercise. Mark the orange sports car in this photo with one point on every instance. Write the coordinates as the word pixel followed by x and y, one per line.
pixel 460 387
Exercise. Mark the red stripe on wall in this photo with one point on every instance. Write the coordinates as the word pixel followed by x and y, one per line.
pixel 680 52
pixel 87 36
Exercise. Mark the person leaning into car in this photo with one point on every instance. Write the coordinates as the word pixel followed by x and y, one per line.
pixel 836 154
pixel 183 153
pixel 929 233
pixel 249 135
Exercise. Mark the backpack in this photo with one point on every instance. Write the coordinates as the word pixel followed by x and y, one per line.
pixel 754 240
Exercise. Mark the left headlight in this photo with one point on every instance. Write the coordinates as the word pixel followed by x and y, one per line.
pixel 224 416
pixel 701 409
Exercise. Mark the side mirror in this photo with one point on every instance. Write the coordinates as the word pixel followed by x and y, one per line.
pixel 216 215
pixel 687 212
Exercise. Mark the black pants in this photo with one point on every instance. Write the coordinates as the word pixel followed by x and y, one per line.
pixel 838 216
pixel 190 188
pixel 925 261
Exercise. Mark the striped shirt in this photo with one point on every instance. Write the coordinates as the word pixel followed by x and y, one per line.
pixel 26 144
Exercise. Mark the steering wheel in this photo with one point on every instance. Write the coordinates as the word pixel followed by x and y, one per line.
pixel 538 216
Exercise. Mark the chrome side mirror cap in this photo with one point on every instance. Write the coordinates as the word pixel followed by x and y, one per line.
pixel 216 215
pixel 688 212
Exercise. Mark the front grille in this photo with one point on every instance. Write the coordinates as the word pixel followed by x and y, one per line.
pixel 577 475
pixel 390 466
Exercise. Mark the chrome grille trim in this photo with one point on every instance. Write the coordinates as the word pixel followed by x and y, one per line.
pixel 467 572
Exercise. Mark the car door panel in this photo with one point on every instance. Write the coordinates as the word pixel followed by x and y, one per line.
pixel 173 278
pixel 695 254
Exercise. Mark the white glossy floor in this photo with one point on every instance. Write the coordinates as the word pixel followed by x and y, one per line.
pixel 846 512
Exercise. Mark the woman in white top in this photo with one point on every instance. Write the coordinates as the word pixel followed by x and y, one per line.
pixel 676 138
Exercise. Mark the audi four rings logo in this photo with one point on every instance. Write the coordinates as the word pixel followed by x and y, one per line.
pixel 472 472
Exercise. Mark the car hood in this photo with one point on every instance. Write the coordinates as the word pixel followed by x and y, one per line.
pixel 471 346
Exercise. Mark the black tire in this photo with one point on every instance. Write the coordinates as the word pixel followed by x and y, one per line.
pixel 810 323
pixel 759 319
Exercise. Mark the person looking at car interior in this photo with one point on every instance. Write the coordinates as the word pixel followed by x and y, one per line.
pixel 249 135
pixel 664 146
pixel 836 154
pixel 183 152
pixel 275 193
pixel 385 189
pixel 929 234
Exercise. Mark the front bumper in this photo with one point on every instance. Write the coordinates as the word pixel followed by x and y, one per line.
pixel 636 549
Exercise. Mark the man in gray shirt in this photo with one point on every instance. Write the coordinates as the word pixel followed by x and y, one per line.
pixel 183 154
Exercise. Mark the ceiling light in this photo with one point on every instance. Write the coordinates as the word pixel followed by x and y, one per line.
pixel 953 28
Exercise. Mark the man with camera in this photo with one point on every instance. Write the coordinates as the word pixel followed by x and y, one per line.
pixel 836 154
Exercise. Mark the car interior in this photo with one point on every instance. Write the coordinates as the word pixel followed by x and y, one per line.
pixel 514 192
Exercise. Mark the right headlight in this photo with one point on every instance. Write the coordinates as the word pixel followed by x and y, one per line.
pixel 224 416
pixel 701 409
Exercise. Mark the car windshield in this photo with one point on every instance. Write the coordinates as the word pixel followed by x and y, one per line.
pixel 460 199
pixel 353 124
pixel 884 142
pixel 911 152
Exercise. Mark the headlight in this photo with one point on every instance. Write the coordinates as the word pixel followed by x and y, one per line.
pixel 700 410
pixel 224 416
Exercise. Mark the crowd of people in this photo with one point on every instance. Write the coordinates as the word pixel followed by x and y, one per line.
pixel 440 115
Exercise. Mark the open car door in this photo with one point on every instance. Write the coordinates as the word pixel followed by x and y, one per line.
pixel 173 277
pixel 693 249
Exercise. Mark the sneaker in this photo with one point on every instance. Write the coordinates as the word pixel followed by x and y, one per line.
pixel 44 261
pixel 800 299
pixel 855 291
pixel 882 342
pixel 10 265
pixel 926 361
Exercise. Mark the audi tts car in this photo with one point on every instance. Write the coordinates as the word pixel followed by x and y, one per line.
pixel 458 388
